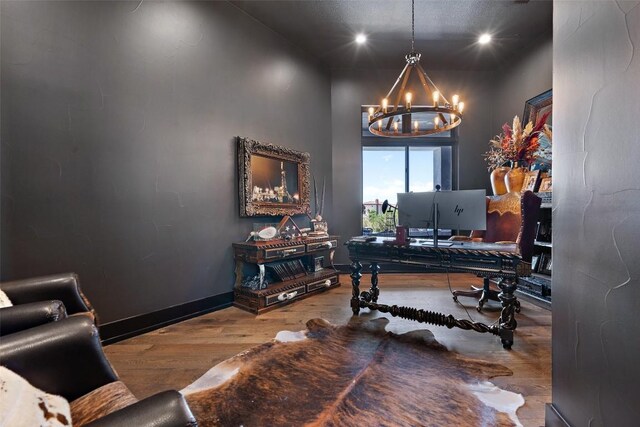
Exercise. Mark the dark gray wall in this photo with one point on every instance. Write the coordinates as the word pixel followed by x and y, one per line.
pixel 596 219
pixel 118 158
pixel 352 88
pixel 526 78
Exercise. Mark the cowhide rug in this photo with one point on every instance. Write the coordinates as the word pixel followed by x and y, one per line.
pixel 353 375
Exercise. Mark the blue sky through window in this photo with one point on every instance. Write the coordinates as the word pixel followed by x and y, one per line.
pixel 420 169
pixel 383 172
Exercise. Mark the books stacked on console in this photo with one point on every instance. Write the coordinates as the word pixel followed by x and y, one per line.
pixel 287 270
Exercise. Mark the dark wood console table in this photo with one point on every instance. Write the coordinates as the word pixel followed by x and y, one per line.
pixel 259 256
pixel 486 259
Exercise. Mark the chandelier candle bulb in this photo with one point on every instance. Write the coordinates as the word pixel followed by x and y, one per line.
pixel 385 103
pixel 436 98
pixel 452 119
pixel 436 122
pixel 380 125
pixel 415 126
pixel 371 110
pixel 395 126
pixel 455 99
pixel 460 106
pixel 408 98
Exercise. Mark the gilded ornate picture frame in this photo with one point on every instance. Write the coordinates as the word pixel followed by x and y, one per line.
pixel 272 180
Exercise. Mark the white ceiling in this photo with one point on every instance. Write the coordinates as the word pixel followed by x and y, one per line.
pixel 446 30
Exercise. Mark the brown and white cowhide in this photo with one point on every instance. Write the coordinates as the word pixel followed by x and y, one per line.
pixel 352 375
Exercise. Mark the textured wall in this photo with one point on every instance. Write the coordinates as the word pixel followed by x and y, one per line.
pixel 352 88
pixel 526 78
pixel 118 158
pixel 596 215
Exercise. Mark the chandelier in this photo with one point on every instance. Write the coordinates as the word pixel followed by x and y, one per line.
pixel 408 120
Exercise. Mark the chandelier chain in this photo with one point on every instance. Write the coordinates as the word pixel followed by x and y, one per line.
pixel 413 27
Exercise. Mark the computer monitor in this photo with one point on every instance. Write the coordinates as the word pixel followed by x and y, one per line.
pixel 458 210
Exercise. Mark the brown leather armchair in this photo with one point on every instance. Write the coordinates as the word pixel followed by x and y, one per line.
pixel 511 218
pixel 41 300
pixel 66 358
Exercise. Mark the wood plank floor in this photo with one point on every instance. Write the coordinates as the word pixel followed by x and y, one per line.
pixel 173 357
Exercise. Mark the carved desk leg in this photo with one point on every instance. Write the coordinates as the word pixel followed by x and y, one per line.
pixel 374 291
pixel 356 268
pixel 510 304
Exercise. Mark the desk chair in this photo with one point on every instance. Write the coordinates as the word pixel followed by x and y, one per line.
pixel 511 218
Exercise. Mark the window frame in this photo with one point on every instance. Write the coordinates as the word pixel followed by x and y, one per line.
pixel 431 141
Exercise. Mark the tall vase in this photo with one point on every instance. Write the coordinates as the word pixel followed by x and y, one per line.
pixel 514 179
pixel 498 184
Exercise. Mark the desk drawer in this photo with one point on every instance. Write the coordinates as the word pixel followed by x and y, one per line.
pixel 287 295
pixel 284 252
pixel 324 283
pixel 321 245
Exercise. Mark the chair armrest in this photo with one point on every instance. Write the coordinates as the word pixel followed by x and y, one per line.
pixel 62 287
pixel 63 358
pixel 166 409
pixel 25 316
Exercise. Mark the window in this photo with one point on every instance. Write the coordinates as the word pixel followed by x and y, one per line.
pixel 391 166
pixel 383 174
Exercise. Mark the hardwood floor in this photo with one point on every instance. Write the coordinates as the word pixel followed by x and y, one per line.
pixel 173 357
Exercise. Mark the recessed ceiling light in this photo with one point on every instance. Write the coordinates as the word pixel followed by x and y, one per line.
pixel 484 38
pixel 361 38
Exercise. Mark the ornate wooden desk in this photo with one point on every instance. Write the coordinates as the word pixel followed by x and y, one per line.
pixel 486 259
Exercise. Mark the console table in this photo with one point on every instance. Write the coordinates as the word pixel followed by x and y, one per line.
pixel 259 256
pixel 486 259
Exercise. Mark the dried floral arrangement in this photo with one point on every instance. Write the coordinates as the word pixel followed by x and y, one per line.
pixel 517 144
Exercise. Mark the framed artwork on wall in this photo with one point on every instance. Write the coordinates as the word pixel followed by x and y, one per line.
pixel 272 180
pixel 537 106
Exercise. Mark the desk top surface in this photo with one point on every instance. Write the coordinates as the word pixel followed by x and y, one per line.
pixel 424 244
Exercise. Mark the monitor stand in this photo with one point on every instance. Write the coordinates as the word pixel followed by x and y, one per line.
pixel 435 231
pixel 435 225
pixel 435 220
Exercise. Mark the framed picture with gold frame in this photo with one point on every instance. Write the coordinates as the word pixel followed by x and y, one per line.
pixel 531 180
pixel 545 185
pixel 272 180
